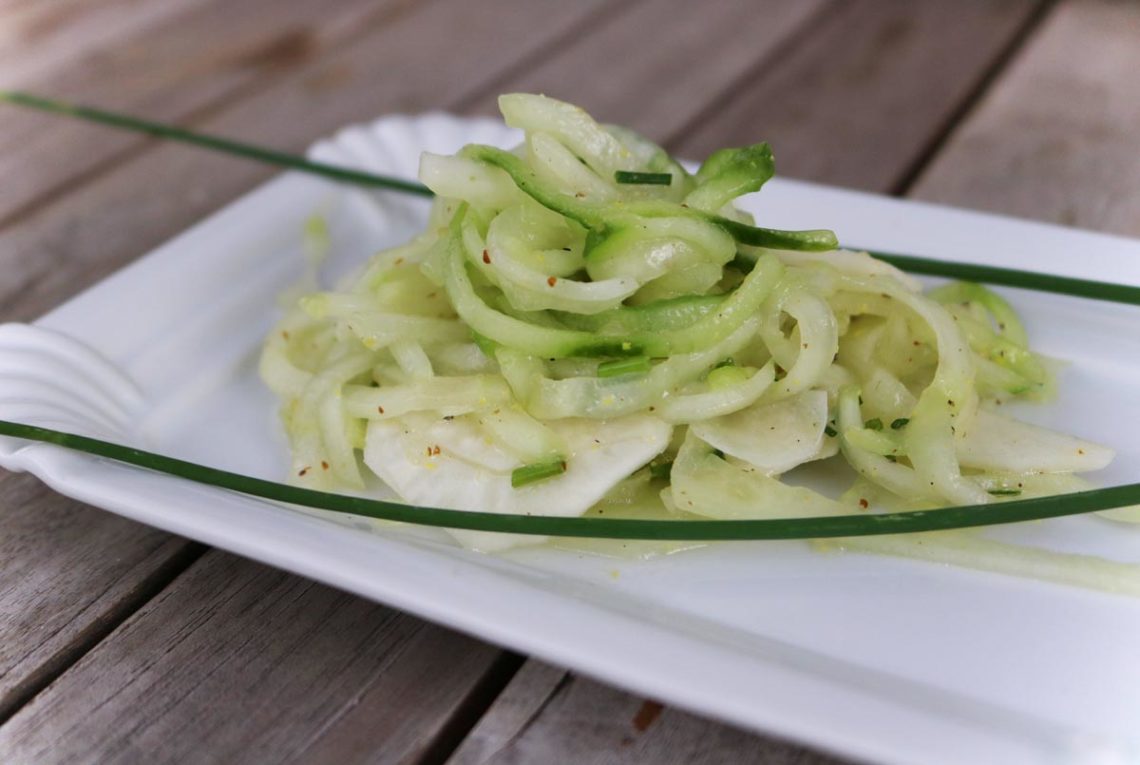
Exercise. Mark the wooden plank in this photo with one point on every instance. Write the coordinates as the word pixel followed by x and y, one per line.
pixel 1057 139
pixel 855 100
pixel 545 715
pixel 239 662
pixel 67 581
pixel 165 71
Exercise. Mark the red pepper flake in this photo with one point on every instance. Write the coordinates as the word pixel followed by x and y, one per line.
pixel 564 466
pixel 302 471
pixel 324 465
pixel 434 451
pixel 284 335
pixel 864 503
pixel 552 280
pixel 380 409
pixel 486 257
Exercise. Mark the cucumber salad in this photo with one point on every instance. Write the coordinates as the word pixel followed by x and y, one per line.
pixel 587 327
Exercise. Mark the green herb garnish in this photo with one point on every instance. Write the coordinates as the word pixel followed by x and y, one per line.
pixel 538 471
pixel 643 179
pixel 900 422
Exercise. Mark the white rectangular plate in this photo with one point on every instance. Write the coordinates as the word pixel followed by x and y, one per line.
pixel 880 658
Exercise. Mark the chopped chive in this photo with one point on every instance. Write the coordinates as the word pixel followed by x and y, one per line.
pixel 539 471
pixel 661 469
pixel 830 431
pixel 635 365
pixel 900 422
pixel 816 527
pixel 645 179
pixel 873 424
pixel 1005 492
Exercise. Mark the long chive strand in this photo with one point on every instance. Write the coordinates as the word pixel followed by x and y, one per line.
pixel 612 528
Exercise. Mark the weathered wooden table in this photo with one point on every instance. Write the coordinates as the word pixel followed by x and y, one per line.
pixel 119 643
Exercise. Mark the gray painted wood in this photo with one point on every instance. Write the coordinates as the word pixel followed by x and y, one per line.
pixel 1057 138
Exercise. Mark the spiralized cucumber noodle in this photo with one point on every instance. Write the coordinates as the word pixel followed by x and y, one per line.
pixel 562 341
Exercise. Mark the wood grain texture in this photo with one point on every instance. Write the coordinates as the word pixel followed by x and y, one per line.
pixel 1058 138
pixel 166 72
pixel 855 99
pixel 68 577
pixel 658 64
pixel 547 716
pixel 240 662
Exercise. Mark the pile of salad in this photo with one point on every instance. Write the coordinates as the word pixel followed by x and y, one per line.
pixel 587 327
